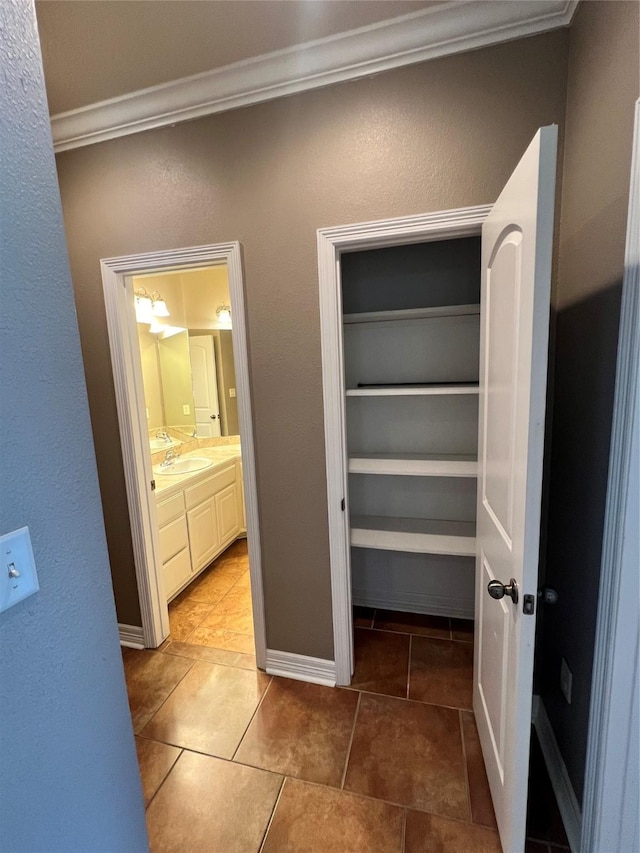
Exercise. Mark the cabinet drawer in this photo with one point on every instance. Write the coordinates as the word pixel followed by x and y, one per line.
pixel 173 538
pixel 170 509
pixel 207 488
pixel 176 572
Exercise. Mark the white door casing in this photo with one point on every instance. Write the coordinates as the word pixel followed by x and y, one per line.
pixel 205 385
pixel 441 225
pixel 517 242
pixel 127 374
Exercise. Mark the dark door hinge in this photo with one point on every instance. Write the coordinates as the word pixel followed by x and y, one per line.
pixel 342 505
pixel 153 485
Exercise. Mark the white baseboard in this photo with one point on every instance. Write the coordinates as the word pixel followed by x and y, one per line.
pixel 412 602
pixel 301 667
pixel 560 782
pixel 131 636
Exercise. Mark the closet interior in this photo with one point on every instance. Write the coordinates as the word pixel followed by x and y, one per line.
pixel 411 358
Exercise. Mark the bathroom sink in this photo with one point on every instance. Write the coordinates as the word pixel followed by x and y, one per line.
pixel 187 465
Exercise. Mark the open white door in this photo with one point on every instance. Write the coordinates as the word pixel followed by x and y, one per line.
pixel 517 239
pixel 205 385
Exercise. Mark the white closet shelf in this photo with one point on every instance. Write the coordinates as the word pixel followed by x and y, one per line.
pixel 415 535
pixel 411 390
pixel 414 464
pixel 412 314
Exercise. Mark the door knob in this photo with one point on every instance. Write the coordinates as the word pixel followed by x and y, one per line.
pixel 498 590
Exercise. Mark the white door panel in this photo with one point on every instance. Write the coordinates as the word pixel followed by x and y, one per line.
pixel 205 385
pixel 516 261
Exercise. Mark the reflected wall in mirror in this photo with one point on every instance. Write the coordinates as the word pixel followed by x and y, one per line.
pixel 186 355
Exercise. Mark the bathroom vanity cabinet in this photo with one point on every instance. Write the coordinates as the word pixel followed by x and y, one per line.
pixel 198 518
pixel 411 331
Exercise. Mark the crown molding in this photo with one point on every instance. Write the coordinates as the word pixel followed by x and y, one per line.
pixel 442 30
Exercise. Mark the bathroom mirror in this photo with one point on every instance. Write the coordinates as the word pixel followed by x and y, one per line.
pixel 187 356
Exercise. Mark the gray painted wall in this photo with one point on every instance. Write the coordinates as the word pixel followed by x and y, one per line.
pixel 69 779
pixel 602 88
pixel 432 136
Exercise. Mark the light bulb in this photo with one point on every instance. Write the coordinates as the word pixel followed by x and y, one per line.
pixel 144 309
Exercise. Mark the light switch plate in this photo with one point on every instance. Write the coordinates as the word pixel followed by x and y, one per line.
pixel 186 409
pixel 232 392
pixel 18 578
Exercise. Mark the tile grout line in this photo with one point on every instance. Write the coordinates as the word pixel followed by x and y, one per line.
pixel 403 837
pixel 449 639
pixel 168 773
pixel 257 708
pixel 204 660
pixel 180 680
pixel 466 767
pixel 405 699
pixel 271 816
pixel 353 731
pixel 409 666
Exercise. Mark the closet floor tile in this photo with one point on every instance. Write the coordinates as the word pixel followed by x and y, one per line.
pixel 316 819
pixel 381 662
pixel 301 730
pixel 363 617
pixel 208 805
pixel 462 629
pixel 413 623
pixel 210 709
pixel 441 672
pixel 427 833
pixel 479 793
pixel 408 753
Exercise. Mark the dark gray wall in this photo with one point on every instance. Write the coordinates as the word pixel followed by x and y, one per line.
pixel 602 88
pixel 69 777
pixel 428 137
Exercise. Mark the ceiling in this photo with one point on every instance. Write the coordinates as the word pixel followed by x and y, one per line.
pixel 98 49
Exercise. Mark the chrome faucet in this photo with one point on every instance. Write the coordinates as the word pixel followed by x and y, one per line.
pixel 164 436
pixel 169 458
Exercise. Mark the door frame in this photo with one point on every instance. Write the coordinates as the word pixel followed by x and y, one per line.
pixel 127 375
pixel 609 815
pixel 331 242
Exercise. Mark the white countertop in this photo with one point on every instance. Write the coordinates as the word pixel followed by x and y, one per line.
pixel 167 484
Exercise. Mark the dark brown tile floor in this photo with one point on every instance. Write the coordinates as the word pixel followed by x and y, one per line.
pixel 235 761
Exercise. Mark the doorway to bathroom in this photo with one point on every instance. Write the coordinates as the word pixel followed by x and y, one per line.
pixel 178 346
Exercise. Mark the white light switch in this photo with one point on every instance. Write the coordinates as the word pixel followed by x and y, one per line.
pixel 186 410
pixel 18 578
pixel 232 392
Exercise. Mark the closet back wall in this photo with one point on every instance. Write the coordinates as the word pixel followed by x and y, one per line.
pixel 438 135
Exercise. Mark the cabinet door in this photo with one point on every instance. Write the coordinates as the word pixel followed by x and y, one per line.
pixel 203 532
pixel 227 513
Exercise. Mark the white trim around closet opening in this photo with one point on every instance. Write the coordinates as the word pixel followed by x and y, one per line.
pixel 448 224
pixel 127 375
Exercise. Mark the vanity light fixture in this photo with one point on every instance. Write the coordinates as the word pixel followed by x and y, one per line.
pixel 144 306
pixel 159 305
pixel 223 313
pixel 149 307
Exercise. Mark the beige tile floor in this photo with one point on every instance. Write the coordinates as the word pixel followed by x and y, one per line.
pixel 235 761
